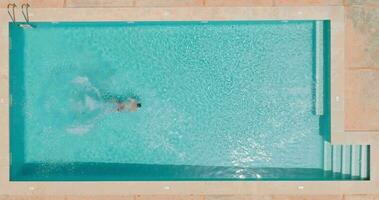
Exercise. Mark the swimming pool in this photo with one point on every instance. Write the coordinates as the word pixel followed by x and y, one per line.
pixel 240 100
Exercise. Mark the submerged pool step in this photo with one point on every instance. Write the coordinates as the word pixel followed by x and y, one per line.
pixel 355 160
pixel 337 158
pixel 319 62
pixel 348 161
pixel 327 156
pixel 364 162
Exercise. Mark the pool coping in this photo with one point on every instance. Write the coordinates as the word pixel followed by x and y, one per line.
pixel 338 135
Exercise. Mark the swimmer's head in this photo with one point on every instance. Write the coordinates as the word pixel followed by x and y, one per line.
pixel 139 105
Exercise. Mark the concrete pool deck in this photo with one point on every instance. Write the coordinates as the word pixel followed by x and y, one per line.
pixel 356 118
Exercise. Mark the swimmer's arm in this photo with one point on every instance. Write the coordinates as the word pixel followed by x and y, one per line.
pixel 114 100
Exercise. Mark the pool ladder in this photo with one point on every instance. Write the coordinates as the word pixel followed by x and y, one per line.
pixel 11 7
pixel 25 13
pixel 25 7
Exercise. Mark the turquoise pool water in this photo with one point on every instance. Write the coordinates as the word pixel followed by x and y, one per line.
pixel 220 100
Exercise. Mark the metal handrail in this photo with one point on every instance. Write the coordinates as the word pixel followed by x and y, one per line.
pixel 12 15
pixel 26 13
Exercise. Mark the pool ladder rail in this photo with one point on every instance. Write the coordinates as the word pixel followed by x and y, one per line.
pixel 25 13
pixel 11 7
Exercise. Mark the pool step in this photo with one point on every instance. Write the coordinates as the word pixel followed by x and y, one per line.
pixel 319 62
pixel 346 161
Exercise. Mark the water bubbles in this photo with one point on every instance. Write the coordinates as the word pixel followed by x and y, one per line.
pixel 242 176
pixel 79 129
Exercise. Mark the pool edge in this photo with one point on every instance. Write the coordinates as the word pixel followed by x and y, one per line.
pixel 334 13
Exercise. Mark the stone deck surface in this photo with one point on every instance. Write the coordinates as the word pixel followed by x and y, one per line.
pixel 197 197
pixel 362 64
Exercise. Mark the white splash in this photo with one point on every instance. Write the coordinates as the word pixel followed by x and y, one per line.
pixel 81 80
pixel 85 82
pixel 91 104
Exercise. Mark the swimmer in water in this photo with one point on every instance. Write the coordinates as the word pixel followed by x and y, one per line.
pixel 131 105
